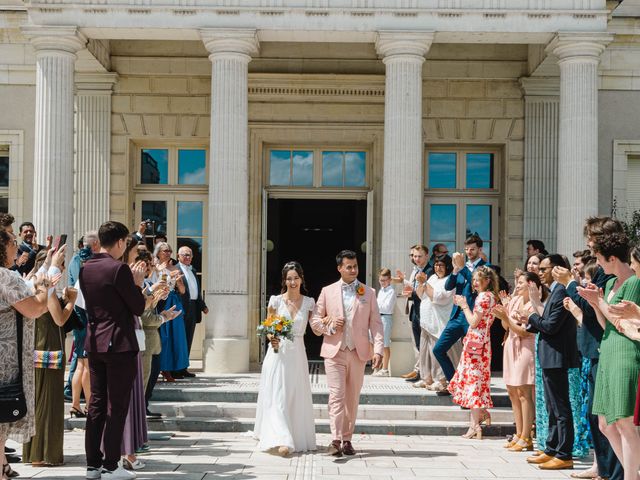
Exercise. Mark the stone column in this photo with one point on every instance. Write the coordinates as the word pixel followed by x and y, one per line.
pixel 542 106
pixel 56 49
pixel 402 220
pixel 93 150
pixel 226 348
pixel 578 57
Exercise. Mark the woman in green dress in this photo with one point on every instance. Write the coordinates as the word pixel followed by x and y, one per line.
pixel 617 380
pixel 46 446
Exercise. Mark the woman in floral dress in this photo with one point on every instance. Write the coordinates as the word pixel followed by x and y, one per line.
pixel 470 386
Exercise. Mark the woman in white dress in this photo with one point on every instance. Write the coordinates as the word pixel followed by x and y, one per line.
pixel 284 416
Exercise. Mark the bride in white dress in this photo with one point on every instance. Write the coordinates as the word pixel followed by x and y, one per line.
pixel 284 416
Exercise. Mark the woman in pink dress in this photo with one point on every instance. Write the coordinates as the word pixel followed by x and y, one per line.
pixel 519 362
pixel 470 386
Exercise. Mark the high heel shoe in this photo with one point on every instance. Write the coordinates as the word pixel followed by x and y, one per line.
pixel 520 447
pixel 473 432
pixel 512 442
pixel 7 472
pixel 486 419
pixel 74 412
pixel 167 377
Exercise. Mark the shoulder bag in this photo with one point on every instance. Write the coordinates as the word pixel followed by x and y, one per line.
pixel 476 349
pixel 13 404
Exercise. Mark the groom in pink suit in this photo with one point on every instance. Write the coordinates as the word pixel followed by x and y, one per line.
pixel 345 314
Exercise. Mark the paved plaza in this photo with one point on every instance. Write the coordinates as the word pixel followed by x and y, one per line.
pixel 198 456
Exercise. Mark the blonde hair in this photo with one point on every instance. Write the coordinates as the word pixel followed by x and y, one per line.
pixel 487 273
pixel 384 272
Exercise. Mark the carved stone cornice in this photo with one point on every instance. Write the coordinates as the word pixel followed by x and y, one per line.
pixel 541 86
pixel 95 83
pixel 235 42
pixel 404 43
pixel 64 39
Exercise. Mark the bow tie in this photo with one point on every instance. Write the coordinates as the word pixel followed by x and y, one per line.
pixel 348 287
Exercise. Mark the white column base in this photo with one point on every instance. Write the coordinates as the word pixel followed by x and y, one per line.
pixel 403 357
pixel 225 355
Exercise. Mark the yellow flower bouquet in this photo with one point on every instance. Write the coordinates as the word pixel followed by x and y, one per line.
pixel 277 326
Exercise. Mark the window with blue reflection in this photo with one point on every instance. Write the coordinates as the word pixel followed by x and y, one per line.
pixel 280 167
pixel 479 170
pixel 479 221
pixel 302 168
pixel 192 167
pixel 355 169
pixel 332 169
pixel 442 169
pixel 190 219
pixel 155 212
pixel 154 164
pixel 442 225
pixel 451 246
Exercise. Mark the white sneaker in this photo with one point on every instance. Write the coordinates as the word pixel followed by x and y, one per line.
pixel 136 465
pixel 117 474
pixel 93 473
pixel 420 384
pixel 381 373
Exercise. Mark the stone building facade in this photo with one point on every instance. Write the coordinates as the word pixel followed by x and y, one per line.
pixel 259 131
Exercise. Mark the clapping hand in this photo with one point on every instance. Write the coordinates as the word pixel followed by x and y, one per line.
pixel 139 271
pixel 624 309
pixel 460 301
pixel 176 275
pixel 535 293
pixel 500 311
pixel 170 313
pixel 591 294
pixel 421 277
pixel 505 298
pixel 71 294
pixel 458 261
pixel 562 275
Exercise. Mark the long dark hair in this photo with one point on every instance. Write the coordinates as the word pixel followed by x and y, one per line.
pixel 5 238
pixel 539 256
pixel 293 265
pixel 131 243
pixel 532 277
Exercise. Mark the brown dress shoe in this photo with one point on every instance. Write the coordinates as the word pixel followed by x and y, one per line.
pixel 538 459
pixel 347 448
pixel 557 464
pixel 334 449
pixel 410 375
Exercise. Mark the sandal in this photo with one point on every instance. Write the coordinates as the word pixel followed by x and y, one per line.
pixel 7 472
pixel 75 412
pixel 584 474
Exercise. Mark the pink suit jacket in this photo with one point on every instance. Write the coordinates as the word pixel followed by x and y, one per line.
pixel 366 317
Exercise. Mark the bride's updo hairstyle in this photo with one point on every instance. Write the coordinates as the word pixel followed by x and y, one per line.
pixel 298 268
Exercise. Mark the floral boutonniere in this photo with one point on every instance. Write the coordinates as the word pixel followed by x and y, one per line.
pixel 360 290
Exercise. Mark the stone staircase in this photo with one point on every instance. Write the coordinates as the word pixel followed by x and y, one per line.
pixel 227 403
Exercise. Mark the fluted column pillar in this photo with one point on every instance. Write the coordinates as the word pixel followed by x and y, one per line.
pixel 56 49
pixel 578 58
pixel 402 191
pixel 226 348
pixel 542 107
pixel 92 150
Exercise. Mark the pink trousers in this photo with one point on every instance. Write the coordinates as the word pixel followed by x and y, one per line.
pixel 345 374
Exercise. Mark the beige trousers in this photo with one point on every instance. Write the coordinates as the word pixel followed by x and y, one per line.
pixel 430 370
pixel 345 374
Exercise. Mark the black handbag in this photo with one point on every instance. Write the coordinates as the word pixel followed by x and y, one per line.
pixel 13 404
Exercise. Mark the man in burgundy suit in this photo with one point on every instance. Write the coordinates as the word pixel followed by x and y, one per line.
pixel 113 296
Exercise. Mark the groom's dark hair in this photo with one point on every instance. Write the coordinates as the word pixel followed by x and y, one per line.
pixel 350 254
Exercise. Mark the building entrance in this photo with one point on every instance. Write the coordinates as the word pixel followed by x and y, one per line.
pixel 312 232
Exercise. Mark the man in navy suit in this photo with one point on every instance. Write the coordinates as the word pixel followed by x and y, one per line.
pixel 460 280
pixel 557 353
pixel 113 297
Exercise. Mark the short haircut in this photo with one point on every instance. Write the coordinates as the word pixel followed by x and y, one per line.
pixel 144 256
pixel 596 226
pixel 350 254
pixel 448 264
pixel 613 245
pixel 26 224
pixel 438 247
pixel 419 246
pixel 6 220
pixel 161 235
pixel 591 269
pixel 537 244
pixel 556 260
pixel 90 238
pixel 384 272
pixel 471 239
pixel 110 232
pixel 581 253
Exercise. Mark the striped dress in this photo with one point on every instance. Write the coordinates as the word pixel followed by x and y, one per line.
pixel 619 367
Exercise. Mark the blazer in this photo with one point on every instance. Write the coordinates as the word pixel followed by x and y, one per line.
pixel 463 286
pixel 366 318
pixel 590 334
pixel 557 347
pixel 186 298
pixel 112 299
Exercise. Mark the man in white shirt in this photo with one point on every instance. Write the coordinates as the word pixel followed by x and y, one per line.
pixel 192 301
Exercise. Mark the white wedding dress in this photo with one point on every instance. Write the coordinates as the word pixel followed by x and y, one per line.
pixel 284 416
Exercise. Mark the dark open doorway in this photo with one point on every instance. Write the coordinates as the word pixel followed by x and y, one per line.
pixel 312 232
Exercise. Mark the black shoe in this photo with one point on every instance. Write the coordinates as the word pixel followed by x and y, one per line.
pixel 188 374
pixel 13 458
pixel 177 375
pixel 443 393
pixel 153 415
pixel 413 380
pixel 9 450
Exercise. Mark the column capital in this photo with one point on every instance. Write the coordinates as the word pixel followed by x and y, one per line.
pixel 230 41
pixel 586 47
pixel 55 38
pixel 95 83
pixel 390 43
pixel 541 86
